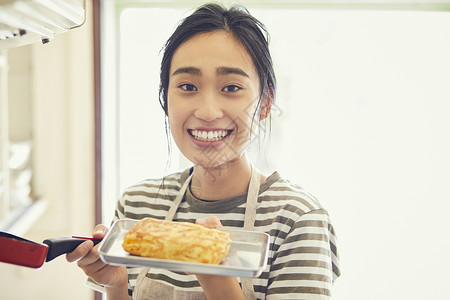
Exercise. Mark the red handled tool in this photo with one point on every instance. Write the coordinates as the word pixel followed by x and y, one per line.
pixel 19 251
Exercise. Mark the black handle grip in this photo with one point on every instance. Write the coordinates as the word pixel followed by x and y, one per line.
pixel 59 246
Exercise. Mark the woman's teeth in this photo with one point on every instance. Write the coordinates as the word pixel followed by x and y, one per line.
pixel 209 136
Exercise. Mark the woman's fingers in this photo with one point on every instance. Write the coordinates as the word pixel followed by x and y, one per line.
pixel 210 222
pixel 90 266
pixel 90 258
pixel 81 251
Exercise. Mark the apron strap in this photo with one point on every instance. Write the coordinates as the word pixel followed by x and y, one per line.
pixel 249 223
pixel 176 203
pixel 252 200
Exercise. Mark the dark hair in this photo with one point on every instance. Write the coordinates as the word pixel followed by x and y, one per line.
pixel 236 20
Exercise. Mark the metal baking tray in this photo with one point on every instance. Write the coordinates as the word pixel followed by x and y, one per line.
pixel 247 256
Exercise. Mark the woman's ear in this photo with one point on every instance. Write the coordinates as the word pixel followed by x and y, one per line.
pixel 267 105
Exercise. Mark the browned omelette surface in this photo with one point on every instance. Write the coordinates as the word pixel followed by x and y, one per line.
pixel 176 241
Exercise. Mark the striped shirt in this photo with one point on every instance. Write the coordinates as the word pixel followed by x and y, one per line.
pixel 303 260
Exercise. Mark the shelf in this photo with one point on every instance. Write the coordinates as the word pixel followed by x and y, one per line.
pixel 25 22
pixel 18 212
pixel 22 219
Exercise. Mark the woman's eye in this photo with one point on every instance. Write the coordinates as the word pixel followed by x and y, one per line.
pixel 231 88
pixel 188 87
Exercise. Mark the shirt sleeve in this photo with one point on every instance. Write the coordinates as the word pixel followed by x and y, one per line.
pixel 306 264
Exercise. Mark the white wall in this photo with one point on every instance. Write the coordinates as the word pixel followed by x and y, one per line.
pixel 364 127
pixel 63 136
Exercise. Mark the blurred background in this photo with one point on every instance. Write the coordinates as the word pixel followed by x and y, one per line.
pixel 360 122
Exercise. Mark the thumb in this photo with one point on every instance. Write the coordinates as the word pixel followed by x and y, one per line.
pixel 99 231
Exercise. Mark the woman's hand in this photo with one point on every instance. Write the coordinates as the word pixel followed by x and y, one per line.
pixel 215 286
pixel 113 278
pixel 210 222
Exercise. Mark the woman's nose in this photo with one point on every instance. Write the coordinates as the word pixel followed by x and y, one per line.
pixel 209 108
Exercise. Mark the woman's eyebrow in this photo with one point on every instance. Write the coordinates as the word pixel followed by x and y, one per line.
pixel 187 70
pixel 219 71
pixel 229 70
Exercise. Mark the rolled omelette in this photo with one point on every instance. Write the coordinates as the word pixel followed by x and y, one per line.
pixel 176 241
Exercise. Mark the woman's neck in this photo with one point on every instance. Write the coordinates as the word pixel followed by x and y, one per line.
pixel 221 182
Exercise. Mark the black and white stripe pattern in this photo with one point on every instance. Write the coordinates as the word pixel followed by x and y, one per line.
pixel 303 260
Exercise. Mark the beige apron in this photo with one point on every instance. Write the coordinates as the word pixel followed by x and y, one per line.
pixel 149 289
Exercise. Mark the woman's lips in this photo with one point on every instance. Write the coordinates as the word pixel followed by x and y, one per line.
pixel 210 137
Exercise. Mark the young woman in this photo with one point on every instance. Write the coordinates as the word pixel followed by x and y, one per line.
pixel 217 86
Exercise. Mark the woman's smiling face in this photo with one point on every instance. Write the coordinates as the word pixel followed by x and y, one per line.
pixel 212 96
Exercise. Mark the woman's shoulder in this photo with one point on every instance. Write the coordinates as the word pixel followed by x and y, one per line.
pixel 281 192
pixel 168 183
pixel 150 197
